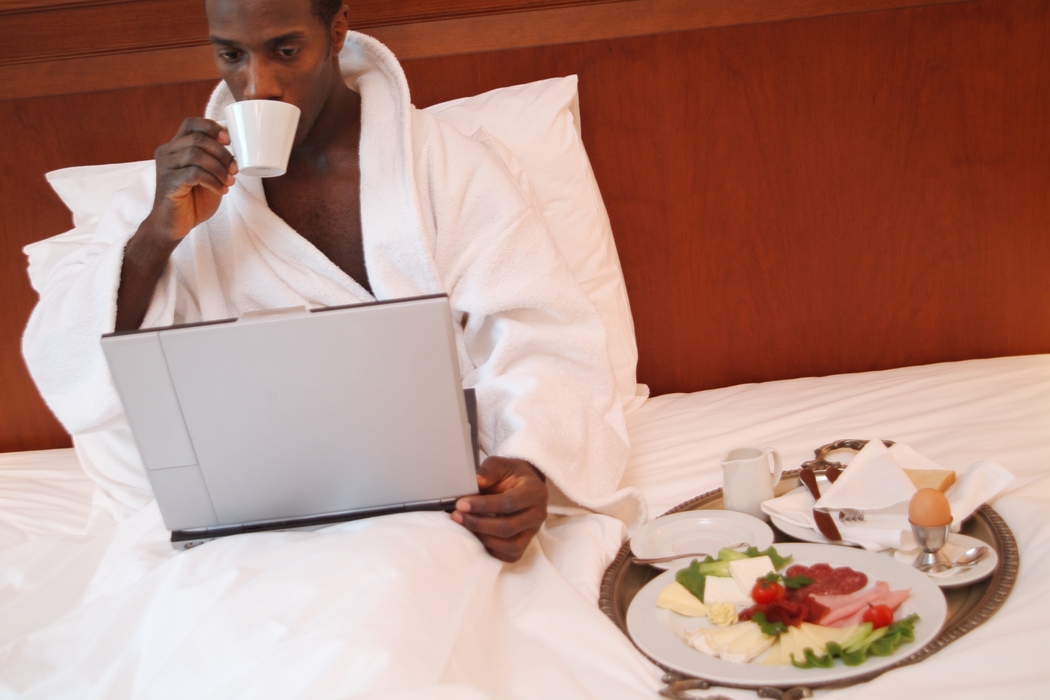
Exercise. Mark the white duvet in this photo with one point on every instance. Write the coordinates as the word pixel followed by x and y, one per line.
pixel 409 606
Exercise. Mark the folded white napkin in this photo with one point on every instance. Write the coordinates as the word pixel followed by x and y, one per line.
pixel 875 482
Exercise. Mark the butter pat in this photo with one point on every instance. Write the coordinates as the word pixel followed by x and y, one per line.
pixel 746 571
pixel 722 614
pixel 718 589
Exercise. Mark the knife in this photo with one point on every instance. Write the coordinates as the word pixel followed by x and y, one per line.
pixel 824 522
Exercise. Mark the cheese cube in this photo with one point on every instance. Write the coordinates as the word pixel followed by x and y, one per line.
pixel 746 571
pixel 718 589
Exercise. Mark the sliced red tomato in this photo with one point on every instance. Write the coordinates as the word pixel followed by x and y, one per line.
pixel 878 615
pixel 766 591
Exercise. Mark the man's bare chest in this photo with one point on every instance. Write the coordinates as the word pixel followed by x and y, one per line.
pixel 327 212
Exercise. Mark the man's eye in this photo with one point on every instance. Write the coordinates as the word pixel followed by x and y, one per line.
pixel 288 51
pixel 230 56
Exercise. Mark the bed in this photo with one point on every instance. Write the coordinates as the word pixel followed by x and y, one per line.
pixel 863 257
pixel 122 614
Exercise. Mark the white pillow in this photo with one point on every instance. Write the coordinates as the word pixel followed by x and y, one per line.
pixel 87 190
pixel 540 124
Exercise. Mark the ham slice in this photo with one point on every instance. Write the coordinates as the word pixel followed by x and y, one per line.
pixel 848 609
pixel 893 599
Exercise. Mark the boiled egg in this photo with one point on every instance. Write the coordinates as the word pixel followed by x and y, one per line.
pixel 929 508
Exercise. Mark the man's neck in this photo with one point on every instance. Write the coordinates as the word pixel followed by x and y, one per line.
pixel 335 132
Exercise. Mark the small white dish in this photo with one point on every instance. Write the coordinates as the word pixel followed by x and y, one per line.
pixel 962 576
pixel 697 531
pixel 798 531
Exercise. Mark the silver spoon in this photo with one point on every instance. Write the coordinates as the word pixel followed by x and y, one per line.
pixel 687 555
pixel 969 558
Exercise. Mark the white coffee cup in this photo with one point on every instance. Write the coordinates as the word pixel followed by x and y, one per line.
pixel 261 135
pixel 747 480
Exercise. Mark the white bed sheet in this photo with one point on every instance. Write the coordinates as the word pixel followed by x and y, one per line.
pixel 410 606
pixel 953 413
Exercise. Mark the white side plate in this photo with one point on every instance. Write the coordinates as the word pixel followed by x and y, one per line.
pixel 698 531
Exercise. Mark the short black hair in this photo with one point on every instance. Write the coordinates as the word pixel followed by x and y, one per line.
pixel 325 10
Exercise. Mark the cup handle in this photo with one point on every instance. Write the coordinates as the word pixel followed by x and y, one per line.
pixel 778 466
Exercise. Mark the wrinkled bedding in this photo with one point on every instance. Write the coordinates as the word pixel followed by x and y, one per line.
pixel 410 605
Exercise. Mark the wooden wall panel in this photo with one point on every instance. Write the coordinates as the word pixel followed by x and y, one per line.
pixel 816 196
pixel 44 134
pixel 790 198
pixel 127 43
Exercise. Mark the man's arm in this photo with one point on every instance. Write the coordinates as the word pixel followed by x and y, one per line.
pixel 194 171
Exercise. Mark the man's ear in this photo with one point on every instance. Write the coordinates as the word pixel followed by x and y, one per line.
pixel 340 26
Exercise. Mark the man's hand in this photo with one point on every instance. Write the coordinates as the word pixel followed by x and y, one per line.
pixel 194 171
pixel 510 509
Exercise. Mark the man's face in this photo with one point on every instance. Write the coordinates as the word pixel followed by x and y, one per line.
pixel 274 50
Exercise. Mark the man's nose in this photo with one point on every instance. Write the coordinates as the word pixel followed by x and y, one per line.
pixel 261 83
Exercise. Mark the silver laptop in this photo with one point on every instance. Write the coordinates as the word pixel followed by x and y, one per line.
pixel 299 417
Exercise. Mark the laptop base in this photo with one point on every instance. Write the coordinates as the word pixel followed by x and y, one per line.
pixel 187 539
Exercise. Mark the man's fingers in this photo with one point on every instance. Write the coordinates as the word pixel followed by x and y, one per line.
pixel 505 526
pixel 494 470
pixel 493 504
pixel 194 176
pixel 509 550
pixel 196 148
pixel 201 125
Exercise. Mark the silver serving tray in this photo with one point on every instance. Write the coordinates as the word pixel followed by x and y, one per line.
pixel 968 606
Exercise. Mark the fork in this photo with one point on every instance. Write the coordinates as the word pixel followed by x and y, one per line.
pixel 847 515
pixel 686 555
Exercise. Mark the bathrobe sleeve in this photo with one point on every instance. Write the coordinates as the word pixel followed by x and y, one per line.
pixel 536 344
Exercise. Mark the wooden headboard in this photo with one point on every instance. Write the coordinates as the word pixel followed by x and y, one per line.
pixel 796 187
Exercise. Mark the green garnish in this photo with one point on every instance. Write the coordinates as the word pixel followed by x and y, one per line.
pixel 693 576
pixel 779 562
pixel 692 579
pixel 881 642
pixel 796 582
pixel 770 629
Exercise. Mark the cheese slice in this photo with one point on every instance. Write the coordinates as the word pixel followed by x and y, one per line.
pixel 718 589
pixel 801 641
pixel 746 571
pixel 773 657
pixel 787 648
pixel 713 640
pixel 677 598
pixel 822 635
pixel 748 645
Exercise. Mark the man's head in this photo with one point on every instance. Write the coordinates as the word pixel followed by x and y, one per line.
pixel 325 10
pixel 283 50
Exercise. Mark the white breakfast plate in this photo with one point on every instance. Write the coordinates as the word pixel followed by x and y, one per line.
pixel 660 633
pixel 698 531
pixel 978 571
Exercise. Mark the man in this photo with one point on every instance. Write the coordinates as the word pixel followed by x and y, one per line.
pixel 379 201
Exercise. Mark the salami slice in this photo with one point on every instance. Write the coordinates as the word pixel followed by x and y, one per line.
pixel 826 580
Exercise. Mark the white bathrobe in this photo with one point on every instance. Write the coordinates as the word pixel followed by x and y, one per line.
pixel 439 213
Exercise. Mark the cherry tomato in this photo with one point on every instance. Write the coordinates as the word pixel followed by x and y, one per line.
pixel 878 615
pixel 766 591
